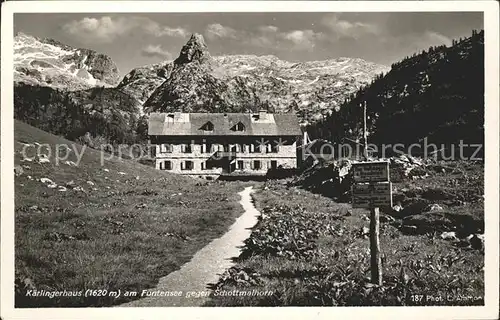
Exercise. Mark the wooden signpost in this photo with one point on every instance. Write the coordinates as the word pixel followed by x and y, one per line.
pixel 372 189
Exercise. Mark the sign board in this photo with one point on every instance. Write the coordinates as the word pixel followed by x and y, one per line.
pixel 372 195
pixel 376 171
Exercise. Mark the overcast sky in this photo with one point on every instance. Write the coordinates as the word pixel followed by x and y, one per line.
pixel 135 39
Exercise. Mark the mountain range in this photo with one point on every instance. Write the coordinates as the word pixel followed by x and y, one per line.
pixel 198 82
pixel 436 94
pixel 428 94
pixel 50 63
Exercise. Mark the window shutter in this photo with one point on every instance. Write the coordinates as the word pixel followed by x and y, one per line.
pixel 203 148
pixel 161 165
pixel 252 148
pixel 183 165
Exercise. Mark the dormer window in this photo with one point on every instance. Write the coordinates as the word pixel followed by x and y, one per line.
pixel 238 127
pixel 208 126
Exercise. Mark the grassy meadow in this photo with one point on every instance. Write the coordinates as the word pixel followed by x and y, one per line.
pixel 120 225
pixel 311 251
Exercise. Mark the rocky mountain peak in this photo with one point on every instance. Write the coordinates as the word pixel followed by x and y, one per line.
pixel 48 62
pixel 194 50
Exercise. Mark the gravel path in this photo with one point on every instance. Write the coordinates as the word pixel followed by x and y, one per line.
pixel 206 265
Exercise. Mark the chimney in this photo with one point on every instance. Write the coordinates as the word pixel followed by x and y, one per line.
pixel 169 117
pixel 262 114
pixel 306 138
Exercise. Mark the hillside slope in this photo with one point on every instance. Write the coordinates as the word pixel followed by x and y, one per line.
pixel 105 225
pixel 103 115
pixel 437 94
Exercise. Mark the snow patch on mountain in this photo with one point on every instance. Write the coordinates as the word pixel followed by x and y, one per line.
pixel 198 82
pixel 47 62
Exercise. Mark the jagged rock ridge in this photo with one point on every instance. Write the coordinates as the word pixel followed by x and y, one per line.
pixel 197 82
pixel 47 62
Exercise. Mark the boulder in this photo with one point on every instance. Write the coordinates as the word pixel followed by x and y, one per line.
pixel 416 206
pixel 477 242
pixel 397 208
pixel 449 235
pixel 437 194
pixel 71 184
pixel 18 171
pixel 409 229
pixel 365 231
pixel 46 181
pixel 43 159
pixel 434 207
pixel 386 219
pixel 429 222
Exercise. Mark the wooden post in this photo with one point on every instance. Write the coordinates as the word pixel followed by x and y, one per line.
pixel 365 142
pixel 375 261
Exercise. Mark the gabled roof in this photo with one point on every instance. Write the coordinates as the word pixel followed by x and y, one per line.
pixel 189 124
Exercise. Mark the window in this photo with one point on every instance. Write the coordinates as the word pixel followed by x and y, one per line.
pixel 237 148
pixel 239 165
pixel 187 165
pixel 256 165
pixel 255 148
pixel 275 148
pixel 166 148
pixel 186 148
pixel 166 165
pixel 238 127
pixel 207 148
pixel 274 164
pixel 208 126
